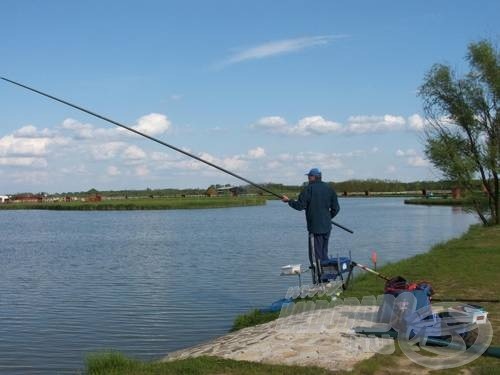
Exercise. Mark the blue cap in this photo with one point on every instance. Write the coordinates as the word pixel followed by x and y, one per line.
pixel 314 172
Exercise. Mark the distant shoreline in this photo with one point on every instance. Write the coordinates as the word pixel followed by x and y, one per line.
pixel 139 204
pixel 437 202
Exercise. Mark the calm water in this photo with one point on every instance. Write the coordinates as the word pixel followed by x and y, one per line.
pixel 149 282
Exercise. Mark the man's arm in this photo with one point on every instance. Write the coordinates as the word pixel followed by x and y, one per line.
pixel 300 204
pixel 334 205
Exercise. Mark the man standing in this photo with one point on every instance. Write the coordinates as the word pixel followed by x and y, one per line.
pixel 321 205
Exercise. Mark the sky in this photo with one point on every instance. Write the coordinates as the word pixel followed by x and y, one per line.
pixel 265 89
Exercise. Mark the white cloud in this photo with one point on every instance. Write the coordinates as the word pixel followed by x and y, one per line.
pixel 285 157
pixel 305 126
pixel 23 162
pixel 271 123
pixel 416 122
pixel 141 171
pixel 77 169
pixel 257 153
pixel 162 156
pixel 318 125
pixel 315 125
pixel 391 169
pixel 274 165
pixel 30 131
pixel 234 163
pixel 306 160
pixel 106 151
pixel 409 152
pixel 82 131
pixel 11 145
pixel 33 177
pixel 133 153
pixel 374 124
pixel 113 171
pixel 418 161
pixel 412 158
pixel 278 47
pixel 153 124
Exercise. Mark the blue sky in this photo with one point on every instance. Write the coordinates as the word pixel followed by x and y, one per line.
pixel 265 89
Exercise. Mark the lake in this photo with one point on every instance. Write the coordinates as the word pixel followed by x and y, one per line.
pixel 149 282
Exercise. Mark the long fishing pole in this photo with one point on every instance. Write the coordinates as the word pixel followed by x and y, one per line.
pixel 153 139
pixel 368 269
pixel 142 134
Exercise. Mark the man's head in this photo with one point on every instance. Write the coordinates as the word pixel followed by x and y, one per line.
pixel 314 174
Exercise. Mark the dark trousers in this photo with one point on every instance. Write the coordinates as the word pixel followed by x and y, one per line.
pixel 319 244
pixel 318 251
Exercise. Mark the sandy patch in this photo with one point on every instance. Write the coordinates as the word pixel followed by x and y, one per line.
pixel 307 336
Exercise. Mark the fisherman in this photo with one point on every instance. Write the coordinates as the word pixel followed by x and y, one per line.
pixel 321 205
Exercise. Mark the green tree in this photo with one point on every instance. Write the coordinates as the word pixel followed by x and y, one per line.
pixel 463 125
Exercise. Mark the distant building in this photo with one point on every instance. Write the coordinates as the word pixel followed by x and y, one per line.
pixel 3 198
pixel 211 192
pixel 219 190
pixel 94 198
pixel 27 198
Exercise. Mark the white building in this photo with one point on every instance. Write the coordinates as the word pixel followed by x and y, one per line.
pixel 3 198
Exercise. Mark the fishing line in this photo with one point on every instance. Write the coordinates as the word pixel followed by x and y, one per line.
pixel 155 140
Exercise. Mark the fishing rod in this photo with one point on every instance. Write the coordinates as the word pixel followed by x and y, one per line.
pixel 155 140
pixel 368 269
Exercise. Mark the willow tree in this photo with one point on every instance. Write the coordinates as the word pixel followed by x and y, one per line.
pixel 462 136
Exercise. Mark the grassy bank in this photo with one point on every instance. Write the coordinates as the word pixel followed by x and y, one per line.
pixel 466 267
pixel 140 204
pixel 438 201
pixel 117 364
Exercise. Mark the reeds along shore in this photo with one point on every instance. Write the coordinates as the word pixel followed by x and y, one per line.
pixel 140 204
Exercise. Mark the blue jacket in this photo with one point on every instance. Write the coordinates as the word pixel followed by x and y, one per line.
pixel 321 205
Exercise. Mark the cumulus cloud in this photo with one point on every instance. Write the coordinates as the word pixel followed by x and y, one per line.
pixel 257 153
pixel 374 124
pixel 133 153
pixel 315 125
pixel 355 125
pixel 141 171
pixel 107 150
pixel 271 123
pixel 305 126
pixel 416 122
pixel 153 124
pixel 417 161
pixel 391 169
pixel 412 158
pixel 409 152
pixel 30 131
pixel 24 145
pixel 113 171
pixel 23 162
pixel 306 159
pixel 80 130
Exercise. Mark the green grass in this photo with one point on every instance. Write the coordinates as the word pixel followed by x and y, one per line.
pixel 118 364
pixel 466 267
pixel 253 318
pixel 141 204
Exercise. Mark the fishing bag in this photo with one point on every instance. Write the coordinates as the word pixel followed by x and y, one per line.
pixel 404 302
